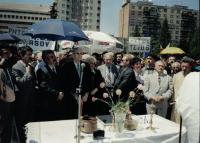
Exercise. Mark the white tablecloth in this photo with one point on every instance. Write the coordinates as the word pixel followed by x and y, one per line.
pixel 64 132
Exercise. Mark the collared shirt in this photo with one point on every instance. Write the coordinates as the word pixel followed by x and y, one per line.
pixel 24 64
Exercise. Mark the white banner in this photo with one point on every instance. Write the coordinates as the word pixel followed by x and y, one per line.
pixel 35 44
pixel 139 44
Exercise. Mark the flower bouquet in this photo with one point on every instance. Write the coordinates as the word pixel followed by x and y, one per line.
pixel 119 108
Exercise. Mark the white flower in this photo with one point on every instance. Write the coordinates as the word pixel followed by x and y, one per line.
pixel 102 85
pixel 118 92
pixel 94 99
pixel 105 95
pixel 132 94
pixel 140 87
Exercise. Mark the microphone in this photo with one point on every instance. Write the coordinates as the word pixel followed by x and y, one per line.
pixel 82 66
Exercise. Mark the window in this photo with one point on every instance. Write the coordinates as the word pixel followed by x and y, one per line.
pixel 1 15
pixel 13 16
pixel 17 16
pixel 171 21
pixel 8 16
pixel 178 11
pixel 171 16
pixel 165 10
pixel 28 17
pixel 36 18
pixel 98 14
pixel 32 18
pixel 172 11
pixel 20 17
pixel 98 8
pixel 63 11
pixel 177 22
pixel 177 32
pixel 40 18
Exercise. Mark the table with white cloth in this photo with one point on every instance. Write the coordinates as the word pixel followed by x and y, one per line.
pixel 64 131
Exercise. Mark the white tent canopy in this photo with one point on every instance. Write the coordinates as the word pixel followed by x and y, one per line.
pixel 99 43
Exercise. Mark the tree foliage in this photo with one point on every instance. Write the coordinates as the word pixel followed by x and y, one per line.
pixel 53 11
pixel 165 35
pixel 136 31
pixel 194 48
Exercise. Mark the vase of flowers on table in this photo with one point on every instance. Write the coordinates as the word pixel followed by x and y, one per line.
pixel 119 108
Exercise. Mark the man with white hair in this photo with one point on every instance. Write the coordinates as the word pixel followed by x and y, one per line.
pixel 158 89
pixel 108 70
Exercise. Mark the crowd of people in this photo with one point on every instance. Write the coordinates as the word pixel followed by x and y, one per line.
pixel 44 86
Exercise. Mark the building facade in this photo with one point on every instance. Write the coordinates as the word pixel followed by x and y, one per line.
pixel 148 19
pixel 21 15
pixel 86 13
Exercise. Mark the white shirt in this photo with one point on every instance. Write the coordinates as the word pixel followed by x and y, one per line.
pixel 188 105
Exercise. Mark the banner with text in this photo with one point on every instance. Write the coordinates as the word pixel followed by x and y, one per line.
pixel 35 44
pixel 139 44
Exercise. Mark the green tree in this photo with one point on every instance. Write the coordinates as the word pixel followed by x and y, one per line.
pixel 53 11
pixel 165 36
pixel 136 31
pixel 194 47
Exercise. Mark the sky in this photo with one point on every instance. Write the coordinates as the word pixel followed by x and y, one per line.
pixel 110 10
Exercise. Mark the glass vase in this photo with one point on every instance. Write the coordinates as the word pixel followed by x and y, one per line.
pixel 118 121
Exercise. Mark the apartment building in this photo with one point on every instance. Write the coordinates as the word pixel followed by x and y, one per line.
pixel 149 17
pixel 86 13
pixel 21 15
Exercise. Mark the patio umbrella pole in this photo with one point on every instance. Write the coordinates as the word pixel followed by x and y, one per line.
pixel 180 129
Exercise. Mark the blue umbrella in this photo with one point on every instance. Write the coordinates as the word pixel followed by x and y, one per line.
pixel 56 29
pixel 6 37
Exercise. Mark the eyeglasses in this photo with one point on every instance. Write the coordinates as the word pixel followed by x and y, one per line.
pixel 79 53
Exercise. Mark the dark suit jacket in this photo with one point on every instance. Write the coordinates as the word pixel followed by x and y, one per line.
pixel 48 93
pixel 126 81
pixel 69 81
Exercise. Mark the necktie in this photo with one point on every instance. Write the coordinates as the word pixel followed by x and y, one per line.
pixel 78 69
pixel 54 70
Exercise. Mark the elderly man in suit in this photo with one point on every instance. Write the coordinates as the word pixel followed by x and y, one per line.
pixel 25 81
pixel 73 74
pixel 108 71
pixel 126 80
pixel 158 89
